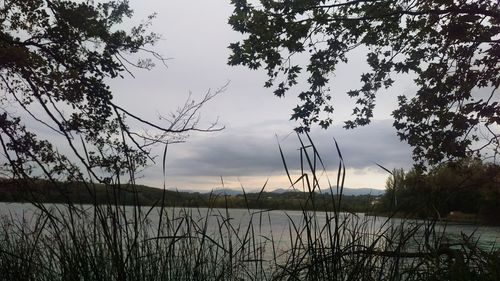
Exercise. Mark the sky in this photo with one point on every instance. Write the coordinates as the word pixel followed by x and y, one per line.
pixel 195 37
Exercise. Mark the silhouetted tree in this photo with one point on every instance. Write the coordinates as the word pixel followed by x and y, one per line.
pixel 56 58
pixel 451 48
pixel 469 186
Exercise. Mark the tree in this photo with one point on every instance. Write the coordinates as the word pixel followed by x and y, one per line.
pixel 55 59
pixel 451 47
pixel 393 185
pixel 468 185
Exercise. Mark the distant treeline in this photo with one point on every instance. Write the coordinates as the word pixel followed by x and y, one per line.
pixel 83 193
pixel 470 188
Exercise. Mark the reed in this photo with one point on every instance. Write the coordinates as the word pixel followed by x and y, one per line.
pixel 113 242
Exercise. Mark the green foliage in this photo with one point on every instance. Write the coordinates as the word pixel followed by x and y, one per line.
pixel 393 183
pixel 450 47
pixel 468 186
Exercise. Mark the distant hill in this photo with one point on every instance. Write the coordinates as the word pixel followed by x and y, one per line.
pixel 282 190
pixel 226 191
pixel 346 191
pixel 363 191
pixel 81 193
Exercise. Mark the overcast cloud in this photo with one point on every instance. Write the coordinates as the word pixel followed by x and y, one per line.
pixel 252 153
pixel 254 150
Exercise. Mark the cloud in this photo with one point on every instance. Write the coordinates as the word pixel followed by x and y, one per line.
pixel 253 150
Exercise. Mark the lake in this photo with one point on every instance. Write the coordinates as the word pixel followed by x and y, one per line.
pixel 287 229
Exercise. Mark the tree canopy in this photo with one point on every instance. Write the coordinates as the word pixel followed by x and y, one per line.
pixel 450 47
pixel 56 57
pixel 469 186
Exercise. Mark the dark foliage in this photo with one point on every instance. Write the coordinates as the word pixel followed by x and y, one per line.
pixel 452 49
pixel 463 187
pixel 58 118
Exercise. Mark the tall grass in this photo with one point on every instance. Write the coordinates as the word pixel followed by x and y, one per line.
pixel 112 242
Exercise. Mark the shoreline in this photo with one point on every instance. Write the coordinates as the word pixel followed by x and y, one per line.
pixel 455 219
